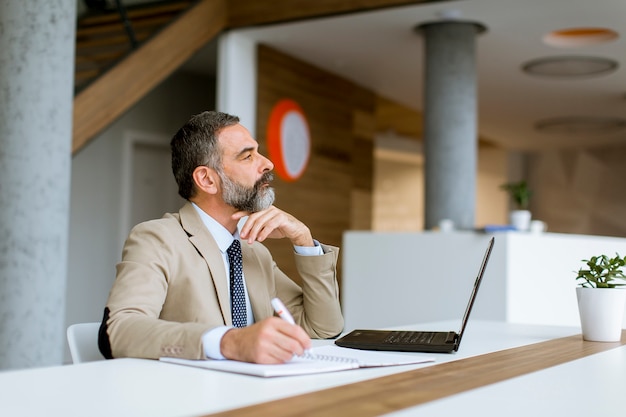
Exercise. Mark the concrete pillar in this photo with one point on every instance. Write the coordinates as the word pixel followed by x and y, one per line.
pixel 37 39
pixel 450 122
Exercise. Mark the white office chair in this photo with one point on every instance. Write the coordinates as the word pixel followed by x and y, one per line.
pixel 82 339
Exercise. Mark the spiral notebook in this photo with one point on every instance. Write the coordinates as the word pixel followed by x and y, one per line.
pixel 321 359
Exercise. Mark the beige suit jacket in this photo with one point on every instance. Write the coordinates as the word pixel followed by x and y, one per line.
pixel 172 287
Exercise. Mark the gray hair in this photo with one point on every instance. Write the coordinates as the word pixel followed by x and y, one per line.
pixel 195 144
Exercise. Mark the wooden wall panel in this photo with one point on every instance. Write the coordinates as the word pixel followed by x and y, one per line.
pixel 322 197
pixel 580 191
pixel 398 118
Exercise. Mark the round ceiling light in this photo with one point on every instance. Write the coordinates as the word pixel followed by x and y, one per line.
pixel 581 125
pixel 577 37
pixel 570 66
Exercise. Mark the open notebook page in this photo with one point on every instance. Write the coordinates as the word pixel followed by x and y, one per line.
pixel 329 358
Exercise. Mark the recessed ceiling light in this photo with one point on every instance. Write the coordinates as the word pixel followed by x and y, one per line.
pixel 581 125
pixel 570 66
pixel 577 37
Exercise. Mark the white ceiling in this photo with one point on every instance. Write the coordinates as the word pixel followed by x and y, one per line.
pixel 380 50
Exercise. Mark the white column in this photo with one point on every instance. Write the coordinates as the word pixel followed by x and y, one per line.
pixel 236 78
pixel 37 39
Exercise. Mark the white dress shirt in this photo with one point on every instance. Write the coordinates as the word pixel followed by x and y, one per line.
pixel 211 340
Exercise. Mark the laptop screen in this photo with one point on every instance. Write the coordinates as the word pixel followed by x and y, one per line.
pixel 479 279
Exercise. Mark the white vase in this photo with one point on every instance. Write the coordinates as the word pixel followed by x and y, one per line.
pixel 520 219
pixel 601 313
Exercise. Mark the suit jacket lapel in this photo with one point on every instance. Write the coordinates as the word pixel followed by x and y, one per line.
pixel 255 283
pixel 207 247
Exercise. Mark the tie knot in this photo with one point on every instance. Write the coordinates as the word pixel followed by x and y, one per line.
pixel 234 249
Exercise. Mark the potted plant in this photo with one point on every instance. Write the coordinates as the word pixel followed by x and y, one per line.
pixel 601 295
pixel 520 196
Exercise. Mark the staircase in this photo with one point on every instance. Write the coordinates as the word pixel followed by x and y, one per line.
pixel 121 55
pixel 112 75
pixel 103 38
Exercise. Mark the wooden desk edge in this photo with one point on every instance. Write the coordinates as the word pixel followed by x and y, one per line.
pixel 391 393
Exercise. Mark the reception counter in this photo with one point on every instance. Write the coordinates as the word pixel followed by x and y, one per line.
pixel 394 278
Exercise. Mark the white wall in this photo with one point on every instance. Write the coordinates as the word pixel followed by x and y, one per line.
pixel 96 189
pixel 394 279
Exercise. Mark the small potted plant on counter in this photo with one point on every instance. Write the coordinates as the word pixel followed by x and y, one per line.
pixel 520 196
pixel 601 295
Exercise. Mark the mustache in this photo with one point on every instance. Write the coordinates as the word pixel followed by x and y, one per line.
pixel 266 178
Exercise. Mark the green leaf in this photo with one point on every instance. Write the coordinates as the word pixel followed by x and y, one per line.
pixel 603 272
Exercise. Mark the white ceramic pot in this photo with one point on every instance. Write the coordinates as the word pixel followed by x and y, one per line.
pixel 520 219
pixel 601 313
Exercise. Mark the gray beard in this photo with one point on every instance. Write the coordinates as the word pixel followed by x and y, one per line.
pixel 250 199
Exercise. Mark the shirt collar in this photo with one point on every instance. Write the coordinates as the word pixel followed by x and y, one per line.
pixel 222 236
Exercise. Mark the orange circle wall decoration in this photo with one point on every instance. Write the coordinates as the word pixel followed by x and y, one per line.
pixel 288 140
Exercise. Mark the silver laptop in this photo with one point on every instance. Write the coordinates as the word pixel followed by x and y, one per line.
pixel 414 340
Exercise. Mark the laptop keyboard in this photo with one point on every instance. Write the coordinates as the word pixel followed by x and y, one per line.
pixel 409 337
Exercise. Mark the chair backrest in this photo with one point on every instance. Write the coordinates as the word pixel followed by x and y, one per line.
pixel 82 339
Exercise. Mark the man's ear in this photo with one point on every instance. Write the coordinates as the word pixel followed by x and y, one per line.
pixel 206 179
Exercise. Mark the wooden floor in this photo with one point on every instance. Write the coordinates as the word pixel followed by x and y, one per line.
pixel 395 392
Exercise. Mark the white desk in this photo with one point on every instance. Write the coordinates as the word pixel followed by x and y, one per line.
pixel 133 387
pixel 592 386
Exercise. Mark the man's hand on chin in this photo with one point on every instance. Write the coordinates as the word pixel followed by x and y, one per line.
pixel 273 223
